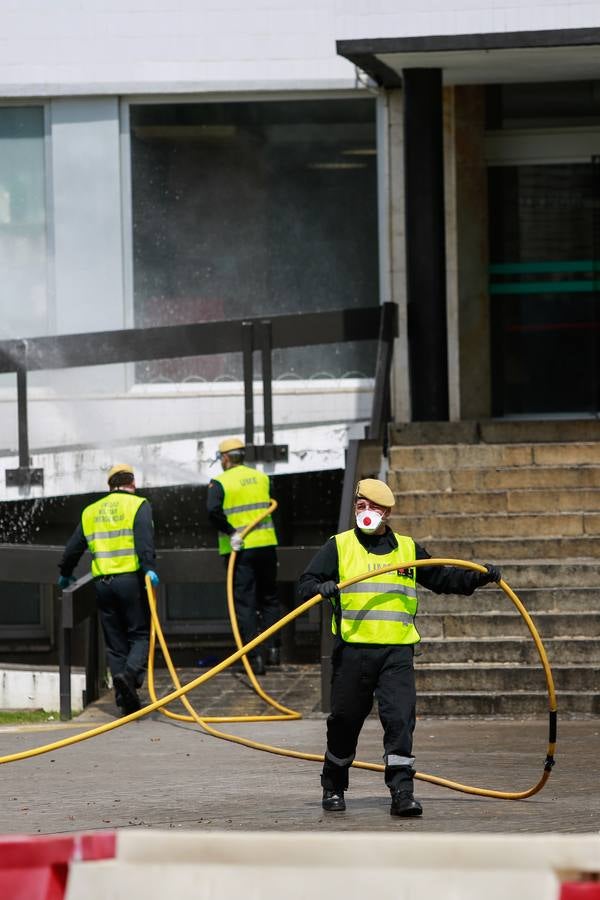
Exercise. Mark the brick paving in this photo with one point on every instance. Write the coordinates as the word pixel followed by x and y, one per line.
pixel 157 773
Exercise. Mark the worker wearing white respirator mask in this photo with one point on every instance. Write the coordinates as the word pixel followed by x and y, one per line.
pixel 374 631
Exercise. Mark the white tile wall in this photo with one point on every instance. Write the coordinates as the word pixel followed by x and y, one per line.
pixel 114 46
pixel 69 48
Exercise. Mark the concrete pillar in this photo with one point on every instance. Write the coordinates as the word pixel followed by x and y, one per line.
pixel 468 319
pixel 392 251
pixel 452 273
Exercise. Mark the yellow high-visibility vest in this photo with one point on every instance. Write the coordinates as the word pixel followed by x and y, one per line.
pixel 108 528
pixel 381 610
pixel 246 492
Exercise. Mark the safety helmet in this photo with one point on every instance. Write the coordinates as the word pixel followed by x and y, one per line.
pixel 230 445
pixel 119 467
pixel 376 491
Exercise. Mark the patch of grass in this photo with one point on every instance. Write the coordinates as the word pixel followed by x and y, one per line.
pixel 26 716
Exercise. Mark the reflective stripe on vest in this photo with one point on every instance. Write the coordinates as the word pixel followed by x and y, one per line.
pixel 246 492
pixel 108 528
pixel 365 587
pixel 381 610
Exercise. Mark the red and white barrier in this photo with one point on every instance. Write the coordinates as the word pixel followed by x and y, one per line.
pixel 37 868
pixel 395 865
pixel 355 865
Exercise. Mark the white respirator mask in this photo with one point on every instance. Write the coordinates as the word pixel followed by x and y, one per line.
pixel 369 520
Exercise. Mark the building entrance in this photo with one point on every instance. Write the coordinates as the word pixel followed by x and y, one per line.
pixel 544 239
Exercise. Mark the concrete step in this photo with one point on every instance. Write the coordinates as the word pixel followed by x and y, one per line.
pixel 518 705
pixel 577 650
pixel 499 525
pixel 567 573
pixel 548 574
pixel 434 503
pixel 461 456
pixel 496 431
pixel 508 624
pixel 533 508
pixel 488 600
pixel 497 549
pixel 503 678
pixel 493 478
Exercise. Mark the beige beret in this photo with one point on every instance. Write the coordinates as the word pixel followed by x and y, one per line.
pixel 376 491
pixel 119 467
pixel 231 444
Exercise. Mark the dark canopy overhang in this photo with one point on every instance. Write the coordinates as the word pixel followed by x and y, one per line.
pixel 519 56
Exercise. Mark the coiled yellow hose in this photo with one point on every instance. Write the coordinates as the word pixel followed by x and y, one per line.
pixel 180 691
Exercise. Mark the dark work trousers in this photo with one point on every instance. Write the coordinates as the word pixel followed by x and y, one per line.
pixel 360 673
pixel 255 594
pixel 125 620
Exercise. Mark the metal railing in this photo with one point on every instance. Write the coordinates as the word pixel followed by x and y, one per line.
pixel 75 607
pixel 27 563
pixel 170 342
pixel 243 336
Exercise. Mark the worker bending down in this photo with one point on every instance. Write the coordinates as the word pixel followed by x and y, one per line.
pixel 374 626
pixel 235 499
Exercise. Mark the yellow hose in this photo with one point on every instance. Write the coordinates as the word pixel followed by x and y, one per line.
pixel 286 714
pixel 181 691
pixel 168 698
pixel 291 714
pixel 375 767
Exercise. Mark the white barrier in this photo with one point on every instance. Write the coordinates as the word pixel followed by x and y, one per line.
pixel 27 687
pixel 355 866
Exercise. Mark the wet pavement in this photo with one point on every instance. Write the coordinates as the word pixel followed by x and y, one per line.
pixel 157 773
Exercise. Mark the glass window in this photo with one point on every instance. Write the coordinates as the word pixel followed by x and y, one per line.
pixel 544 288
pixel 19 604
pixel 22 222
pixel 537 104
pixel 253 209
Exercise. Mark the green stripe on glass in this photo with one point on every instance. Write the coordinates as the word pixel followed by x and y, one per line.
pixel 529 268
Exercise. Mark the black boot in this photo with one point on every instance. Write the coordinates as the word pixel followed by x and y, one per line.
pixel 273 656
pixel 404 803
pixel 258 664
pixel 333 801
pixel 126 694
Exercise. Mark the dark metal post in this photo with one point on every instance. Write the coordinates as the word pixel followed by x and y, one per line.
pixel 24 476
pixel 64 672
pixel 92 685
pixel 65 630
pixel 425 243
pixel 267 379
pixel 247 360
pixel 22 416
pixel 381 391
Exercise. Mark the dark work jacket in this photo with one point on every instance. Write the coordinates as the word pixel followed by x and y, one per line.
pixel 214 507
pixel 439 579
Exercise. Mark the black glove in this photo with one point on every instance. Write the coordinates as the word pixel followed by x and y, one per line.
pixel 493 574
pixel 329 590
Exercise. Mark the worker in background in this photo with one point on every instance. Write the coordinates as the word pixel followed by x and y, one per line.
pixel 119 533
pixel 374 627
pixel 235 498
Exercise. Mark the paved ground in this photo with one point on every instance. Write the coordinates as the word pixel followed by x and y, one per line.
pixel 161 774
